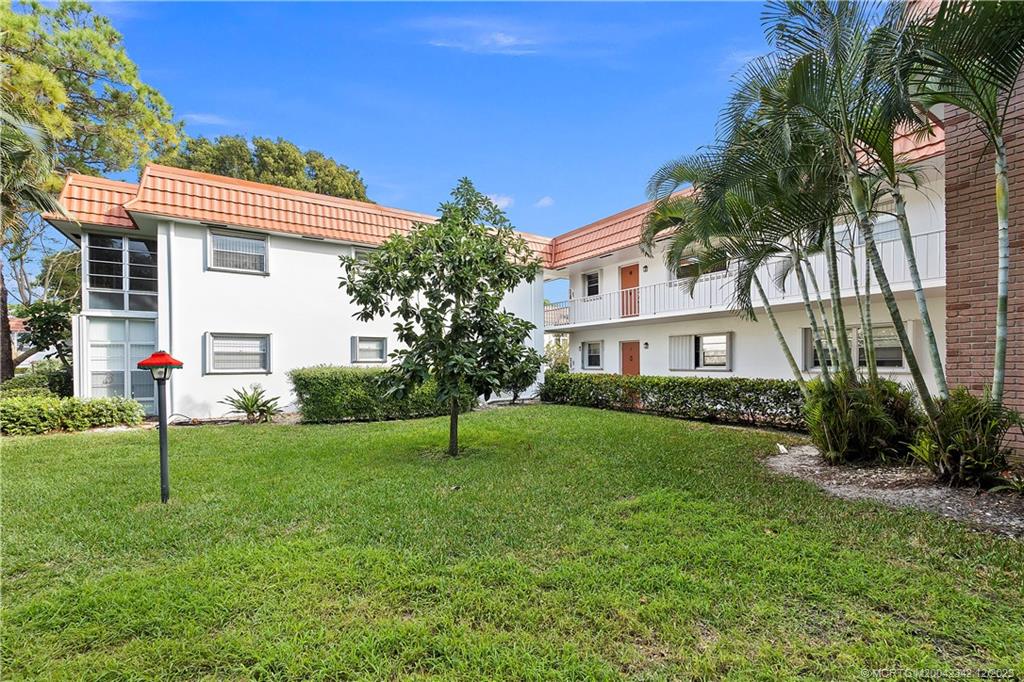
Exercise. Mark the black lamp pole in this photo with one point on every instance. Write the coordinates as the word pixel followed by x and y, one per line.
pixel 165 469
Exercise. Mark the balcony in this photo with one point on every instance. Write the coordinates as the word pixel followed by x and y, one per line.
pixel 714 293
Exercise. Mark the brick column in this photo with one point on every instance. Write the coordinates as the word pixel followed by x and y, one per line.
pixel 971 254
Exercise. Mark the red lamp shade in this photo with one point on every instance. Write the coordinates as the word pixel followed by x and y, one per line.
pixel 159 364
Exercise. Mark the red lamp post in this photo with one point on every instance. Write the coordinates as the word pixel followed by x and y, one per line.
pixel 160 365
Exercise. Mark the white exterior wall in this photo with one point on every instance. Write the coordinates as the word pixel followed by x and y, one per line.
pixel 310 320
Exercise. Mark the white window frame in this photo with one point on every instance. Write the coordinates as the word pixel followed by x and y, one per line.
pixel 126 292
pixel 355 350
pixel 585 356
pixel 240 234
pixel 684 353
pixel 852 332
pixel 584 276
pixel 208 339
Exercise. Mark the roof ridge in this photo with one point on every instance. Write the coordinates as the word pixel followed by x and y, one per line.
pixel 276 189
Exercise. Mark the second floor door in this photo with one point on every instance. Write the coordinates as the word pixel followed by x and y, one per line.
pixel 629 287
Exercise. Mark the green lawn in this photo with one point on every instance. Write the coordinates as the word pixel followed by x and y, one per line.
pixel 567 543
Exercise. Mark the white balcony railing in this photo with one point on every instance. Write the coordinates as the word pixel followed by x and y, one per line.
pixel 715 292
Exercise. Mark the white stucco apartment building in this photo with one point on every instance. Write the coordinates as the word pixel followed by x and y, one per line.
pixel 239 280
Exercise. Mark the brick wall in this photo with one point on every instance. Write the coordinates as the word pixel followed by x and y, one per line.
pixel 971 254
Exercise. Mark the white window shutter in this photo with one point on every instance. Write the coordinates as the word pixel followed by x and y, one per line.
pixel 680 352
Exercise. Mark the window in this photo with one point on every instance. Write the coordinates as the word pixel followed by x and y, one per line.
pixel 592 284
pixel 369 349
pixel 239 353
pixel 888 351
pixel 122 273
pixel 362 255
pixel 712 351
pixel 811 359
pixel 115 348
pixel 240 253
pixel 592 354
pixel 705 351
pixel 688 269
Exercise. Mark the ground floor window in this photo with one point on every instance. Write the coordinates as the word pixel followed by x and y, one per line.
pixel 888 351
pixel 115 348
pixel 238 353
pixel 700 351
pixel 369 349
pixel 592 354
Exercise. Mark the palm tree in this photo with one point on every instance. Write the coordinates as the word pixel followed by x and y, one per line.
pixel 969 55
pixel 26 159
pixel 823 60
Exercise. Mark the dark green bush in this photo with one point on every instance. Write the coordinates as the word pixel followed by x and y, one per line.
pixel 39 414
pixel 732 400
pixel 333 394
pixel 966 445
pixel 854 419
pixel 48 375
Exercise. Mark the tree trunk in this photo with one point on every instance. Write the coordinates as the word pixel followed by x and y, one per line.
pixel 864 307
pixel 1003 281
pixel 839 318
pixel 453 429
pixel 823 360
pixel 781 338
pixel 6 351
pixel 821 308
pixel 922 304
pixel 858 195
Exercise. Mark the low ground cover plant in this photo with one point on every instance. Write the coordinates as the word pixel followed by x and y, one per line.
pixel 254 403
pixel 327 393
pixel 860 419
pixel 966 445
pixel 732 400
pixel 31 414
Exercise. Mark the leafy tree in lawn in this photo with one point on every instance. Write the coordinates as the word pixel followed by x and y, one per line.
pixel 47 325
pixel 443 283
pixel 275 162
pixel 523 374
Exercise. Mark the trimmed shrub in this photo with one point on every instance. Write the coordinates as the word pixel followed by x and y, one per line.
pixel 730 400
pixel 40 414
pixel 49 375
pixel 966 445
pixel 858 420
pixel 328 393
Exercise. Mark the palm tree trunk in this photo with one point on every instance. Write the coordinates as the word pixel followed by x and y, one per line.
pixel 864 308
pixel 1003 279
pixel 839 319
pixel 858 195
pixel 6 351
pixel 821 309
pixel 922 304
pixel 781 338
pixel 823 360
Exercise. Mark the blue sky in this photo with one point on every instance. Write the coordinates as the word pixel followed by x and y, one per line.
pixel 562 111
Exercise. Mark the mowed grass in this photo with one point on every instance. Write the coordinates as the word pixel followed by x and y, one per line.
pixel 566 543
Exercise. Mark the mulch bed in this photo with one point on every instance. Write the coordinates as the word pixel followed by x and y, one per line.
pixel 904 486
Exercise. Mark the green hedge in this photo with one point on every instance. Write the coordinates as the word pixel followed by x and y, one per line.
pixel 334 394
pixel 39 414
pixel 760 402
pixel 47 377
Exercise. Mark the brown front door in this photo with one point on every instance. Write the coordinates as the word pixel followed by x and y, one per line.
pixel 630 351
pixel 629 281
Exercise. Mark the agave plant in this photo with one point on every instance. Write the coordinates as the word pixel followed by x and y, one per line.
pixel 253 403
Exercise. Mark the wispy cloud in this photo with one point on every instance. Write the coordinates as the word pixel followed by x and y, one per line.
pixel 209 119
pixel 502 201
pixel 544 202
pixel 512 36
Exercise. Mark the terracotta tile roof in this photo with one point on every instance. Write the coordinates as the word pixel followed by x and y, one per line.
pixel 17 324
pixel 912 148
pixel 615 232
pixel 96 201
pixel 204 197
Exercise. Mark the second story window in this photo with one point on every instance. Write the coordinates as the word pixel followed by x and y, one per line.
pixel 688 269
pixel 122 273
pixel 238 252
pixel 592 284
